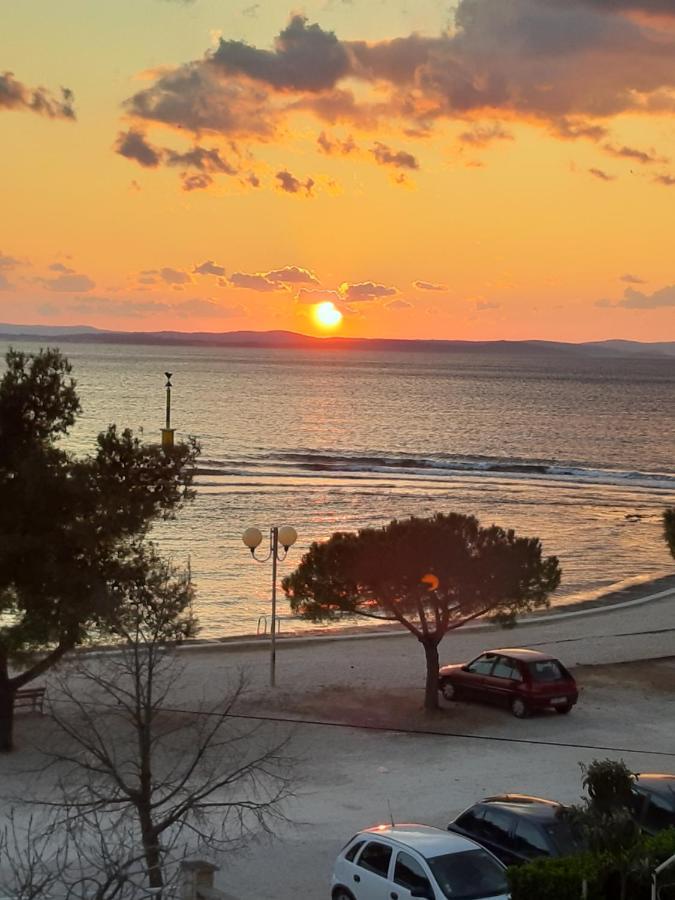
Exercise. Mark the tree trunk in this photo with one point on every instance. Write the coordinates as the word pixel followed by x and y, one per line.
pixel 431 689
pixel 151 851
pixel 7 691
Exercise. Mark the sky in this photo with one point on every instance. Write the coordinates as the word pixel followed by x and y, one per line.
pixel 483 169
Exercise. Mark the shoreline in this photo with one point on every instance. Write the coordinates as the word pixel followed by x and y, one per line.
pixel 630 595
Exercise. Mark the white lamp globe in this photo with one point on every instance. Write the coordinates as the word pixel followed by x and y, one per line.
pixel 252 537
pixel 287 536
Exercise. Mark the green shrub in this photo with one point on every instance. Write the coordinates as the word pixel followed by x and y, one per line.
pixel 561 879
pixel 556 879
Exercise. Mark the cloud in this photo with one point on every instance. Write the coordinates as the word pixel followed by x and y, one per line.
pixel 601 175
pixel 336 146
pixel 569 67
pixel 384 156
pixel 486 305
pixel 209 268
pixel 251 11
pixel 483 135
pixel 174 276
pixel 253 282
pixel 633 299
pixel 398 305
pixel 133 145
pixel 17 96
pixel 364 291
pixel 641 156
pixel 308 296
pixel 665 180
pixel 8 262
pixel 198 182
pixel 5 284
pixel 69 282
pixel 305 58
pixel 631 279
pixel 199 158
pixel 116 307
pixel 206 308
pixel 292 185
pixel 59 267
pixel 655 7
pixel 292 275
pixel 429 286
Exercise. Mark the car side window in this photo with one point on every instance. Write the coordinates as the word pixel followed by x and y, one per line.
pixel 482 665
pixel 471 820
pixel 353 850
pixel 496 826
pixel 655 813
pixel 530 841
pixel 375 858
pixel 410 874
pixel 506 668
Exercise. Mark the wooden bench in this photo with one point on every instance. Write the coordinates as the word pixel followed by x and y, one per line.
pixel 30 697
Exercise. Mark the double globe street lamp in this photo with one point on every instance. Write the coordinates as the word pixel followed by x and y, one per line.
pixel 284 537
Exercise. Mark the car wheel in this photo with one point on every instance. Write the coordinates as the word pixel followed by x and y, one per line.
pixel 519 708
pixel 342 894
pixel 563 710
pixel 448 690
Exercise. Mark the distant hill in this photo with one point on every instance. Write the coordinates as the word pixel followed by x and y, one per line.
pixel 291 339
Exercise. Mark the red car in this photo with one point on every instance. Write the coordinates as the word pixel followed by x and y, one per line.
pixel 523 680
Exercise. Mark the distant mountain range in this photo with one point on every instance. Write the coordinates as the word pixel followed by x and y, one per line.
pixel 290 339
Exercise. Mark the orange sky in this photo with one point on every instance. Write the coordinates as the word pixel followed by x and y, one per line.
pixel 496 169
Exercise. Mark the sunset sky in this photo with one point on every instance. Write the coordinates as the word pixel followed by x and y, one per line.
pixel 483 170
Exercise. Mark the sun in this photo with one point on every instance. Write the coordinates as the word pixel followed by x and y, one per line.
pixel 326 315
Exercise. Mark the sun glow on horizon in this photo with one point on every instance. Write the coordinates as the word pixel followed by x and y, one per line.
pixel 326 315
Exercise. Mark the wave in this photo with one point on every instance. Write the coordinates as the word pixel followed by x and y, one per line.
pixel 304 462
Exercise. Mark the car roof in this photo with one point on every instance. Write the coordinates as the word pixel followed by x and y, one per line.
pixel 522 653
pixel 428 841
pixel 657 782
pixel 523 804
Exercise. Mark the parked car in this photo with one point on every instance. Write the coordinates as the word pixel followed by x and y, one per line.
pixel 522 680
pixel 396 862
pixel 654 802
pixel 518 828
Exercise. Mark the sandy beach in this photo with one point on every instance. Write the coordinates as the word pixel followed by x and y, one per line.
pixel 352 706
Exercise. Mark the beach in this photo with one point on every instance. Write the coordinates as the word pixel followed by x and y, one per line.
pixel 351 706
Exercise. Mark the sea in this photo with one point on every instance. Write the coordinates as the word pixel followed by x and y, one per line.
pixel 573 449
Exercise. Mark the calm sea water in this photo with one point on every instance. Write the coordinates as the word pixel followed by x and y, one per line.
pixel 578 452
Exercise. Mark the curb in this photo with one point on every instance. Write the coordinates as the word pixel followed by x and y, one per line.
pixel 299 640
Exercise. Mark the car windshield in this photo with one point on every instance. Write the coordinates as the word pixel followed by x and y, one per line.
pixel 546 670
pixel 470 875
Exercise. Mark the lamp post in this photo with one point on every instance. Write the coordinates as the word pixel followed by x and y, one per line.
pixel 285 536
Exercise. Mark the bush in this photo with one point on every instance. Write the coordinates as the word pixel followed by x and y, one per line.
pixel 556 879
pixel 561 879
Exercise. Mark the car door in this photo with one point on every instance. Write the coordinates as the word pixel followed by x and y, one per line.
pixel 500 684
pixel 531 841
pixel 475 674
pixel 411 877
pixel 370 874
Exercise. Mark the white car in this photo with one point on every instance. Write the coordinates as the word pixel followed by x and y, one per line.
pixel 395 862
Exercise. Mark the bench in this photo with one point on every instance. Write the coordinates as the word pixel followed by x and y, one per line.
pixel 30 697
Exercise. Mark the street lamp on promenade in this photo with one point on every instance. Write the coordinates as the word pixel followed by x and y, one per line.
pixel 285 536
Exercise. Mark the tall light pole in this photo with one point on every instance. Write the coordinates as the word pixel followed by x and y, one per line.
pixel 285 536
pixel 168 432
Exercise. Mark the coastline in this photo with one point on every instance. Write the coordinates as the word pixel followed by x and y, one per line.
pixel 629 595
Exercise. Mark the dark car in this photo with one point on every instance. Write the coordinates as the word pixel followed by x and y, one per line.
pixel 654 802
pixel 518 828
pixel 522 680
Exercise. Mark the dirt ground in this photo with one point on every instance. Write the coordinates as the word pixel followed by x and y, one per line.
pixel 364 746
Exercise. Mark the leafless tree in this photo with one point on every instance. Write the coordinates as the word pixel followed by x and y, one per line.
pixel 142 781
